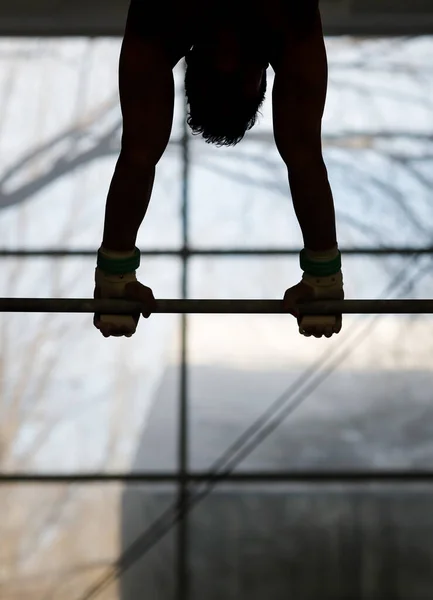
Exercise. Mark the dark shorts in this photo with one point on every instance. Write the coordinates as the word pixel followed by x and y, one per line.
pixel 155 18
pixel 190 20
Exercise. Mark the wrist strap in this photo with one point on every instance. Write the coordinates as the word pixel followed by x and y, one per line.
pixel 119 266
pixel 319 269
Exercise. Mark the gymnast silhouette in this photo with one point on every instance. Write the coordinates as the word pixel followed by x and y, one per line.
pixel 228 46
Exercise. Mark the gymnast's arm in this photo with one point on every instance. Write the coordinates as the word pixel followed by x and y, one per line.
pixel 146 89
pixel 147 97
pixel 298 97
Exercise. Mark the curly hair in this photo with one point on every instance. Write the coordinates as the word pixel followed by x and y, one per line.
pixel 206 90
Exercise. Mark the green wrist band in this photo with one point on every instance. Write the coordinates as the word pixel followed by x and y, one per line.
pixel 119 266
pixel 319 269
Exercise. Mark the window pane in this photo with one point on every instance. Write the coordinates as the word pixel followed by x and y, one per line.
pixel 371 403
pixel 312 542
pixel 60 131
pixel 60 541
pixel 152 558
pixel 73 399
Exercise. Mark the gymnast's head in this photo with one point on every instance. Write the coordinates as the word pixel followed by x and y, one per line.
pixel 225 86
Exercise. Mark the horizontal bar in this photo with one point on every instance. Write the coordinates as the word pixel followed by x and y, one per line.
pixel 322 307
pixel 192 252
pixel 380 476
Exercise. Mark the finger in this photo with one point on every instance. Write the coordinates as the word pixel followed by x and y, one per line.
pixel 113 332
pixel 96 316
pixel 105 328
pixel 119 322
pixel 97 320
pixel 289 305
pixel 304 332
pixel 147 295
pixel 121 333
pixel 319 325
pixel 137 291
pixel 117 325
pixel 338 325
pixel 313 332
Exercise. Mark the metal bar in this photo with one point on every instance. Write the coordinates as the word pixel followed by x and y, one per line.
pixel 190 306
pixel 416 476
pixel 192 252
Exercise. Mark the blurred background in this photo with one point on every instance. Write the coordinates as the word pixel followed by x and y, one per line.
pixel 172 403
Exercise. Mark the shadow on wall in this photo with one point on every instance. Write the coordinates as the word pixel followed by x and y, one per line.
pixel 277 541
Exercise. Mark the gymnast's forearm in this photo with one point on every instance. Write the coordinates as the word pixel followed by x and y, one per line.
pixel 314 205
pixel 127 203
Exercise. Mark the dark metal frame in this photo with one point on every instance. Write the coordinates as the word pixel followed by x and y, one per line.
pixel 342 477
pixel 83 18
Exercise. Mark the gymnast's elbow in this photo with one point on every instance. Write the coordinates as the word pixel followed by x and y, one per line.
pixel 302 156
pixel 136 155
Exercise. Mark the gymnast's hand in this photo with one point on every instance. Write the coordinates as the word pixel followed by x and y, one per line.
pixel 119 286
pixel 308 290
